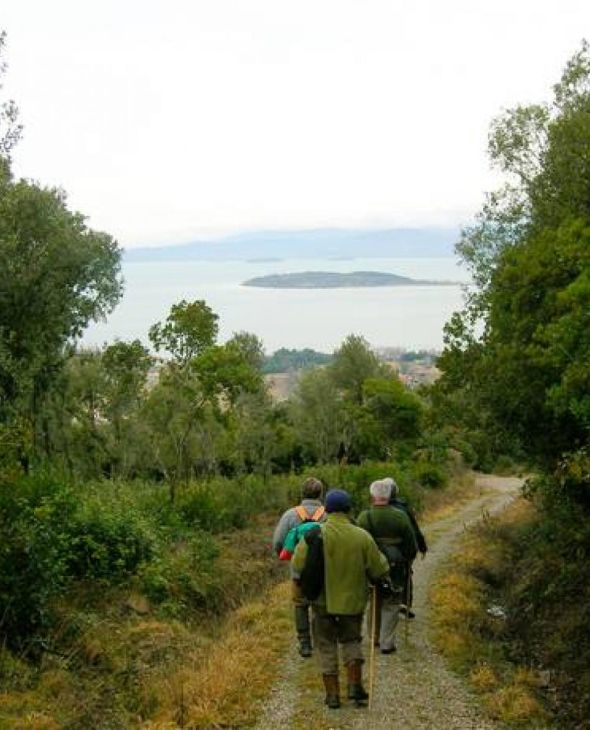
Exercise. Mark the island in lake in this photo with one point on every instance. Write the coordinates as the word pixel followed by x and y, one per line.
pixel 335 280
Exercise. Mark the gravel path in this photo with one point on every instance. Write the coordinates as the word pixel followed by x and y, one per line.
pixel 413 688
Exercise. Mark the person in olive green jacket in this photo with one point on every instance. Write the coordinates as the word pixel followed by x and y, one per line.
pixel 351 559
pixel 392 531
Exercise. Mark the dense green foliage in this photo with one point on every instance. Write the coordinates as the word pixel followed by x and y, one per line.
pixel 517 359
pixel 355 408
pixel 58 533
pixel 57 275
pixel 516 375
pixel 284 360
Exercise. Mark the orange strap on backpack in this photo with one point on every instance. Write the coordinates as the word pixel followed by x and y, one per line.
pixel 304 515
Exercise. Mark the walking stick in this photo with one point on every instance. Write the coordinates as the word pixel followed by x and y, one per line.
pixel 408 600
pixel 372 639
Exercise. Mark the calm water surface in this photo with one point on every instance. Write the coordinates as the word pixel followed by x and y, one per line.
pixel 411 317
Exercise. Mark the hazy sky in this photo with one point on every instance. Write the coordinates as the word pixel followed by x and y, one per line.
pixel 169 119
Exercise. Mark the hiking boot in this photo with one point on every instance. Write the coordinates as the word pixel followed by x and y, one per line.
pixel 332 687
pixel 303 630
pixel 305 648
pixel 407 611
pixel 356 691
pixel 389 650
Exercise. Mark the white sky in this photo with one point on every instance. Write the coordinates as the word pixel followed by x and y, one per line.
pixel 171 119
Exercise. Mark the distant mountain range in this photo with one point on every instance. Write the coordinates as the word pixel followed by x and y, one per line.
pixel 324 243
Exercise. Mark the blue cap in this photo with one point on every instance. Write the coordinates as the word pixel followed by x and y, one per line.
pixel 337 500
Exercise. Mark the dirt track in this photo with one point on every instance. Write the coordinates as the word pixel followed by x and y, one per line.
pixel 414 688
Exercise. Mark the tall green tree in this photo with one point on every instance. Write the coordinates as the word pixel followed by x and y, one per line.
pixel 198 388
pixel 319 415
pixel 519 352
pixel 189 329
pixel 353 363
pixel 57 276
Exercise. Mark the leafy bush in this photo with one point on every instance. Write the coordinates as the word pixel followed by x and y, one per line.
pixel 108 540
pixel 53 534
pixel 356 479
pixel 185 577
pixel 430 475
pixel 504 465
pixel 34 515
pixel 573 476
pixel 221 504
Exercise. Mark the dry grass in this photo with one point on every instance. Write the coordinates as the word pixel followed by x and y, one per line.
pixel 469 638
pixel 515 704
pixel 484 678
pixel 122 660
pixel 226 688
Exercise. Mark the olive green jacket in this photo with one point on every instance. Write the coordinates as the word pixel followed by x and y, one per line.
pixel 351 557
pixel 392 526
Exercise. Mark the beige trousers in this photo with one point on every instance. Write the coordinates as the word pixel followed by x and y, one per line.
pixel 331 631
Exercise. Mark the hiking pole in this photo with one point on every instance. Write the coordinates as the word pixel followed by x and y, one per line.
pixel 408 601
pixel 373 638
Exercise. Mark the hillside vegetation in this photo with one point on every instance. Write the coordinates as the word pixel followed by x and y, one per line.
pixel 137 498
pixel 516 379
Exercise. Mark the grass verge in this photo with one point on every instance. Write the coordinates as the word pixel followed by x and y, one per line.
pixel 471 625
pixel 225 688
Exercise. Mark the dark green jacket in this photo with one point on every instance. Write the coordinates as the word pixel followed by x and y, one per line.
pixel 392 526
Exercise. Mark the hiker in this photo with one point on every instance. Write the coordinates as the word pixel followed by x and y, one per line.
pixel 309 510
pixel 396 501
pixel 392 531
pixel 350 559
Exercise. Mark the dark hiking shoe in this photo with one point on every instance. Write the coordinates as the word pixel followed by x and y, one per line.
pixel 356 691
pixel 303 630
pixel 332 687
pixel 332 702
pixel 305 649
pixel 407 611
pixel 391 650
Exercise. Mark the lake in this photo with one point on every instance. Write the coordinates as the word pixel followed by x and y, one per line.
pixel 410 317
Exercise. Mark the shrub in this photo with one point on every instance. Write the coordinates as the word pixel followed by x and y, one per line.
pixel 221 504
pixel 108 541
pixel 504 465
pixel 52 534
pixel 356 479
pixel 185 577
pixel 34 514
pixel 430 475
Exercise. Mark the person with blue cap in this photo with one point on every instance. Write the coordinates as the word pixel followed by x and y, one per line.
pixel 351 558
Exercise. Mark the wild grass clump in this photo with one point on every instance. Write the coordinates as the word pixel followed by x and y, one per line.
pixel 224 688
pixel 473 620
pixel 515 704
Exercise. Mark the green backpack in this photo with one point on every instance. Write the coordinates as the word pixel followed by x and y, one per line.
pixel 296 533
